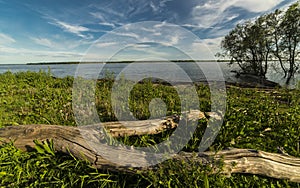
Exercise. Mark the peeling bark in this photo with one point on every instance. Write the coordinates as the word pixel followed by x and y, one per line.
pixel 74 140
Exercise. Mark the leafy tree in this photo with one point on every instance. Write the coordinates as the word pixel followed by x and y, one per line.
pixel 246 46
pixel 273 21
pixel 274 36
pixel 232 45
pixel 291 39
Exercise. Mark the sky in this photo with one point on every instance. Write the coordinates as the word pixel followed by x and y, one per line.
pixel 89 30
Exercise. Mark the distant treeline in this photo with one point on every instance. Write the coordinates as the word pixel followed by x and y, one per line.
pixel 77 62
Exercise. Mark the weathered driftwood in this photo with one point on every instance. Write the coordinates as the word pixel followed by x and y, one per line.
pixel 74 140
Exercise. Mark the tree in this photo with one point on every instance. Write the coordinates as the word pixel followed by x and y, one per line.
pixel 274 36
pixel 70 140
pixel 291 39
pixel 246 45
pixel 273 21
pixel 232 45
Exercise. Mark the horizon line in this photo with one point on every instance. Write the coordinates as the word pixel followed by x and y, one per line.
pixel 121 61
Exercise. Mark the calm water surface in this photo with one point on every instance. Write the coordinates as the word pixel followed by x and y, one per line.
pixel 147 69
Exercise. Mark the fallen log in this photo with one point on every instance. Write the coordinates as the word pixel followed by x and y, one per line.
pixel 73 140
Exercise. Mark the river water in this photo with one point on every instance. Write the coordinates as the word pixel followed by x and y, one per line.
pixel 176 72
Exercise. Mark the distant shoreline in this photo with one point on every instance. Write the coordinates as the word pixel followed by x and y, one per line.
pixel 91 62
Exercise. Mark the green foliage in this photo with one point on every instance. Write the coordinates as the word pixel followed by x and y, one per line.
pixel 44 169
pixel 255 118
pixel 274 36
pixel 181 174
pixel 44 147
pixel 298 85
pixel 261 120
pixel 31 98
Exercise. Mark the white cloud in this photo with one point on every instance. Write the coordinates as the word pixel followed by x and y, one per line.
pixel 98 15
pixel 157 6
pixel 6 39
pixel 174 39
pixel 250 5
pixel 147 52
pixel 59 43
pixel 212 41
pixel 213 44
pixel 229 18
pixel 194 26
pixel 257 5
pixel 108 24
pixel 43 41
pixel 72 28
pixel 212 12
pixel 160 25
pixel 127 34
pixel 162 3
pixel 29 52
pixel 5 50
pixel 139 46
pixel 163 33
pixel 201 49
pixel 154 7
pixel 21 55
pixel 75 29
pixel 105 44
pixel 103 21
pixel 108 10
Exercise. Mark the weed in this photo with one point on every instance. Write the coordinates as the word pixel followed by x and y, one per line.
pixel 254 119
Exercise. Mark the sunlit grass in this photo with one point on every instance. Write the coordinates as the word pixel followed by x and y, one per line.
pixel 254 119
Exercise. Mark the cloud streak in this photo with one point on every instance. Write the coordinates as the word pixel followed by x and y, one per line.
pixel 6 39
pixel 78 24
pixel 72 28
pixel 43 41
pixel 22 55
pixel 102 20
pixel 212 12
pixel 256 5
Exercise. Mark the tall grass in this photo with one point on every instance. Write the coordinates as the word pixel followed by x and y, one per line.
pixel 254 119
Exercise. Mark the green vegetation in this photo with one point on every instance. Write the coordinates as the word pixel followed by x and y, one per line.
pixel 255 118
pixel 271 37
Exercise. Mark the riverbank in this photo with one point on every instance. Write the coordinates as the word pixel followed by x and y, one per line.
pixel 193 71
pixel 255 118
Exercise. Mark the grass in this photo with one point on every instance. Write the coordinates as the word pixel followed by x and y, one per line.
pixel 256 119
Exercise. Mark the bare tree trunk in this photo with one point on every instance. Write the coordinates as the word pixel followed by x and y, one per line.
pixel 279 56
pixel 72 140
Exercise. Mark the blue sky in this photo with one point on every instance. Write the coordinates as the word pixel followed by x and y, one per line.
pixel 49 30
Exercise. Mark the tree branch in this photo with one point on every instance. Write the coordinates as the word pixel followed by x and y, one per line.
pixel 72 140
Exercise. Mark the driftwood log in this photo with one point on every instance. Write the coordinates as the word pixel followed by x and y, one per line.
pixel 73 140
